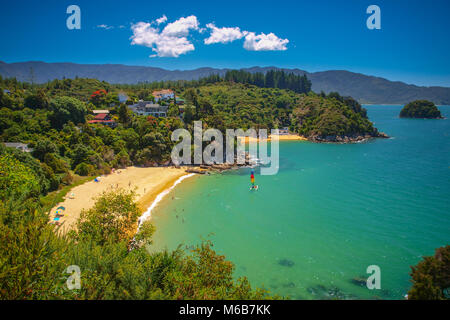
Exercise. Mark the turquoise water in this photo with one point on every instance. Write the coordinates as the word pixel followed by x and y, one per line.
pixel 330 212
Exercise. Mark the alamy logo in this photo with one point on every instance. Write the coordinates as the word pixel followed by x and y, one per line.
pixel 74 280
pixel 374 280
pixel 74 20
pixel 374 21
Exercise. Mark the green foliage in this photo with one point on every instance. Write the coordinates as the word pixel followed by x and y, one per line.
pixel 84 169
pixel 5 100
pixel 173 111
pixel 43 147
pixel 16 180
pixel 66 109
pixel 43 178
pixel 124 114
pixel 431 277
pixel 319 117
pixel 31 255
pixel 271 79
pixel 420 109
pixel 113 218
pixel 37 100
pixel 57 165
pixel 188 115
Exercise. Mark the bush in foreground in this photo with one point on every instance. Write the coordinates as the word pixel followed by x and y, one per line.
pixel 431 277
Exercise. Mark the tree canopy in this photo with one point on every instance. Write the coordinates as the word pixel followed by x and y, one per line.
pixel 431 277
pixel 420 109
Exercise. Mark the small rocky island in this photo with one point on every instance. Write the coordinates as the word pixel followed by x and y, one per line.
pixel 421 109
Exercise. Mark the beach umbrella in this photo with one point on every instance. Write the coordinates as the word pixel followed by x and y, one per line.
pixel 62 208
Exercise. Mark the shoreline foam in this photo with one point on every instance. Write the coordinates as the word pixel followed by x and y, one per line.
pixel 147 215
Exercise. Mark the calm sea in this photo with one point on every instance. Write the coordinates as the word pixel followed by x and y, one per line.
pixel 330 212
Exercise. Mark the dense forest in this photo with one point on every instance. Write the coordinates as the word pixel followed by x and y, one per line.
pixel 52 119
pixel 420 109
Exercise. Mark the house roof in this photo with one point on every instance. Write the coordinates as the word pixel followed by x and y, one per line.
pixel 162 92
pixel 101 121
pixel 152 106
pixel 101 116
pixel 100 111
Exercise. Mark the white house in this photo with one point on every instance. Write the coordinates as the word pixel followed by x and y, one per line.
pixel 146 108
pixel 163 95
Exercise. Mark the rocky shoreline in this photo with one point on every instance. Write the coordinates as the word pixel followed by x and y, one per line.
pixel 347 138
pixel 207 168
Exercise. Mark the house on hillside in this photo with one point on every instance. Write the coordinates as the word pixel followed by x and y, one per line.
pixel 103 117
pixel 147 108
pixel 19 146
pixel 163 95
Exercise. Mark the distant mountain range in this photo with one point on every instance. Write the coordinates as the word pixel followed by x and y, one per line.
pixel 364 88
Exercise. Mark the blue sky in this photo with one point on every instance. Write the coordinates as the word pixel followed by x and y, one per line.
pixel 412 46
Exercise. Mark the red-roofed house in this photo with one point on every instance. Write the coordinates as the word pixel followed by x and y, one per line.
pixel 103 118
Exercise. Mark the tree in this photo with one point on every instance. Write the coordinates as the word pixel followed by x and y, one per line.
pixel 80 153
pixel 43 147
pixel 431 277
pixel 31 255
pixel 124 115
pixel 36 100
pixel 188 115
pixel 113 218
pixel 84 169
pixel 205 108
pixel 98 98
pixel 16 180
pixel 65 109
pixel 173 111
pixel 191 97
pixel 5 100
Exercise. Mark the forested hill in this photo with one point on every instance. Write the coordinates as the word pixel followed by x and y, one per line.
pixel 364 88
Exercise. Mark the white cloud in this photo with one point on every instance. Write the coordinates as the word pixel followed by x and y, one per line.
pixel 162 19
pixel 181 27
pixel 172 47
pixel 104 26
pixel 224 35
pixel 264 42
pixel 172 41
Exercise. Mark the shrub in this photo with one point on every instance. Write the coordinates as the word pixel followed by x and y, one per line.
pixel 431 277
pixel 84 169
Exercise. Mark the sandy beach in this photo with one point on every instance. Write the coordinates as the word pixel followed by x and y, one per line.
pixel 285 137
pixel 147 183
